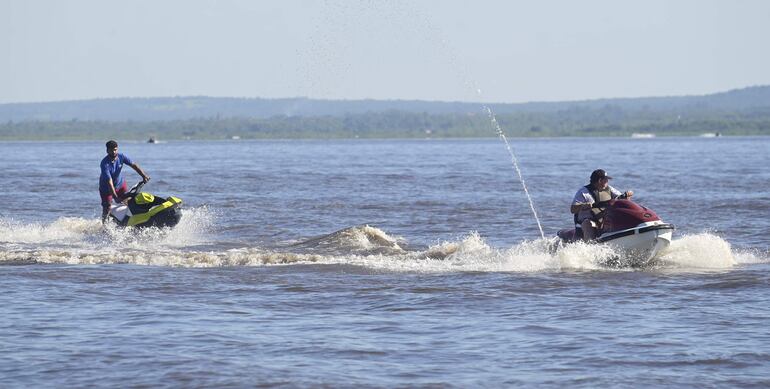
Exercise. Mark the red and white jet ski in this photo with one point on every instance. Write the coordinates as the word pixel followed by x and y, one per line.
pixel 631 228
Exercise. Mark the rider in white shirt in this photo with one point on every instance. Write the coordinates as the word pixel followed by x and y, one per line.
pixel 587 205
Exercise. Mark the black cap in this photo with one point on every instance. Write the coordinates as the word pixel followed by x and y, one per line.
pixel 599 174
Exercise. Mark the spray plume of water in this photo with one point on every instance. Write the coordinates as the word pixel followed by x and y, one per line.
pixel 463 72
pixel 501 134
pixel 404 16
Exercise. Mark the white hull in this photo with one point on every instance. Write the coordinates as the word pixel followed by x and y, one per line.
pixel 642 243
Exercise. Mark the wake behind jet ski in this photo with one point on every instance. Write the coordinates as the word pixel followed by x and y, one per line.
pixel 633 229
pixel 146 210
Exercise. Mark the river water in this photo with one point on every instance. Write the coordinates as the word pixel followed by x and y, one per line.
pixel 383 263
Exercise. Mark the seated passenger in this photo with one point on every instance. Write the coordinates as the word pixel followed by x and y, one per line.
pixel 590 201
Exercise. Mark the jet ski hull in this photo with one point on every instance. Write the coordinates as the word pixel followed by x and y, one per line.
pixel 637 247
pixel 165 214
pixel 167 218
pixel 642 244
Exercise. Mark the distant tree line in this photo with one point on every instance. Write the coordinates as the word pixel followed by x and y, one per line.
pixel 578 121
pixel 152 109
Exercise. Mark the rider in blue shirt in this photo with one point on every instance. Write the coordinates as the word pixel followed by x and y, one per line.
pixel 112 186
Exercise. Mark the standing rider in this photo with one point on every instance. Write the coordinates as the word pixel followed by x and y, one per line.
pixel 590 201
pixel 111 183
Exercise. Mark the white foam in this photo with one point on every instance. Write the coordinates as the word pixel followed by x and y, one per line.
pixel 82 241
pixel 584 256
pixel 69 233
pixel 174 258
pixel 699 251
pixel 353 240
pixel 473 254
pixel 63 230
pixel 751 257
pixel 368 238
pixel 469 254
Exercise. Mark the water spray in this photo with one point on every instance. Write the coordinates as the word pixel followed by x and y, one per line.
pixel 501 134
pixel 430 34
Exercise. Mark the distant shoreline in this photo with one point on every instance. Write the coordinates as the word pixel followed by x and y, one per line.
pixel 741 112
pixel 436 139
pixel 400 125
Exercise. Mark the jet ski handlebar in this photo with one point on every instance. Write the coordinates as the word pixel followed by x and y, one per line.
pixel 603 204
pixel 135 189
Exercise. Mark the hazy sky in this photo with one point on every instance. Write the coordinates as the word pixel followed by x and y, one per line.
pixel 512 51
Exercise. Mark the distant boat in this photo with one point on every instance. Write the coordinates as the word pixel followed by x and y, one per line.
pixel 711 135
pixel 642 135
pixel 152 140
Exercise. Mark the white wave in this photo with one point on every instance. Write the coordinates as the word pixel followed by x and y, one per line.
pixel 193 226
pixel 354 240
pixel 699 251
pixel 63 230
pixel 368 237
pixel 69 233
pixel 473 254
pixel 751 257
pixel 191 230
pixel 467 254
pixel 173 258
pixel 585 256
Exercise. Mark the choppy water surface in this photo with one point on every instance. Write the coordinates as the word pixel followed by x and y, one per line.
pixel 383 263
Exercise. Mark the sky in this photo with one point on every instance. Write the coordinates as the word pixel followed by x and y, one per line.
pixel 444 50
